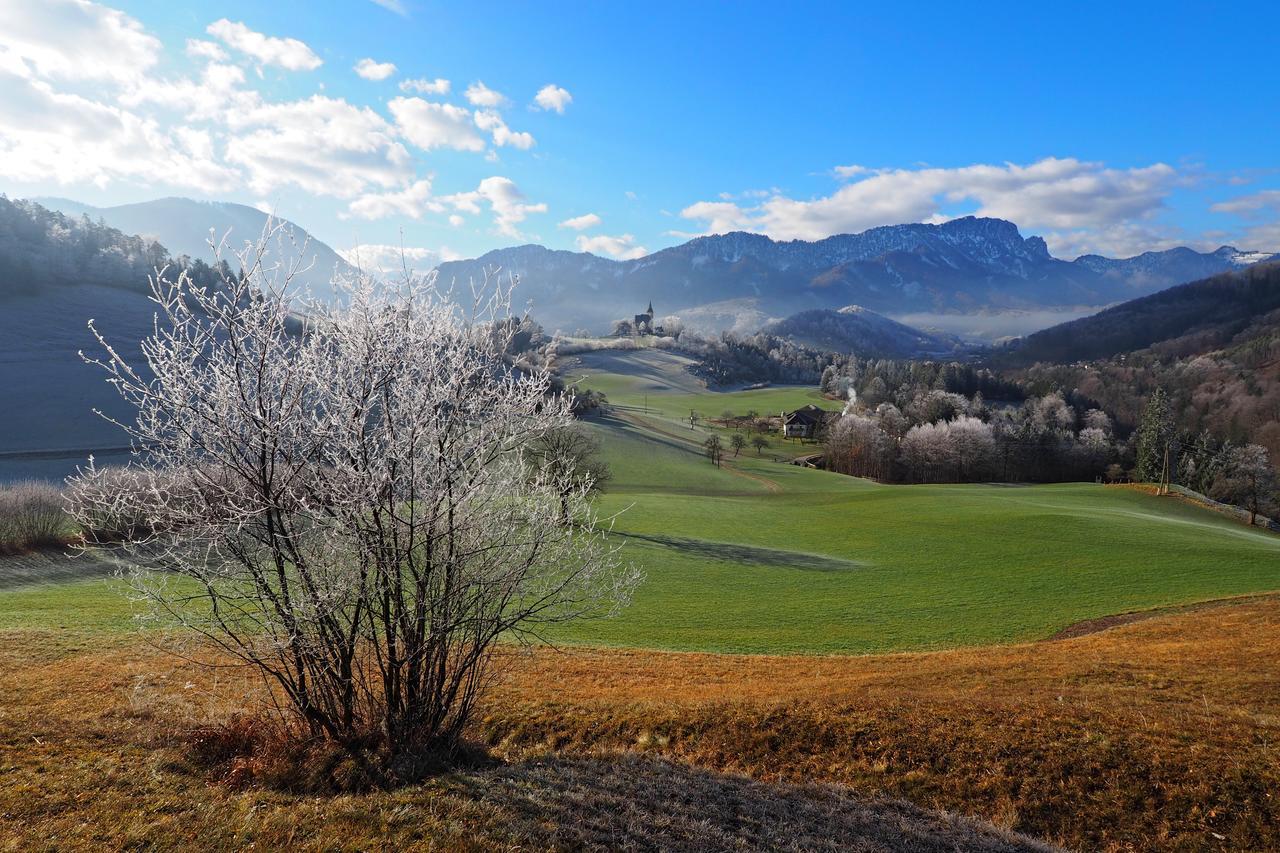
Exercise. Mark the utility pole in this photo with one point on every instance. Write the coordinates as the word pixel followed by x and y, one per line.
pixel 1164 473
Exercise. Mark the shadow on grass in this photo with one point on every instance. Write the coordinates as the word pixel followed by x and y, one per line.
pixel 638 803
pixel 51 565
pixel 748 554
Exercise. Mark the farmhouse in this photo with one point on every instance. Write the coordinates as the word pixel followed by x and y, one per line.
pixel 804 422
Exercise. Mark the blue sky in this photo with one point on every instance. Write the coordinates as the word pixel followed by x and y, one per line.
pixel 1108 127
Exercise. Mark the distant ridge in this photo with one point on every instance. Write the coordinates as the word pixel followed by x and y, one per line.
pixel 1198 316
pixel 963 266
pixel 183 226
pixel 854 329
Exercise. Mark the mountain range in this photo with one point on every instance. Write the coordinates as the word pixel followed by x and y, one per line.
pixel 57 271
pixel 961 267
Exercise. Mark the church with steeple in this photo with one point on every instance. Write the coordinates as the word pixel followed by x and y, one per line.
pixel 643 323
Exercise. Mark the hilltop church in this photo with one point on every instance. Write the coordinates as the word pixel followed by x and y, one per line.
pixel 643 323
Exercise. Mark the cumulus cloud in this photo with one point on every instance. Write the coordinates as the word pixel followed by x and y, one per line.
pixel 481 95
pixel 552 98
pixel 384 258
pixel 1060 195
pixel 504 199
pixel 431 125
pixel 70 40
pixel 581 223
pixel 423 86
pixel 48 134
pixel 622 247
pixel 323 145
pixel 82 102
pixel 287 53
pixel 201 49
pixel 491 121
pixel 411 201
pixel 371 70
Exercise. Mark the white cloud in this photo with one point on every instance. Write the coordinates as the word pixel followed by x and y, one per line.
pixel 504 199
pixel 287 53
pixel 481 95
pixel 1254 204
pixel 370 70
pixel 430 125
pixel 850 171
pixel 1262 210
pixel 1059 195
pixel 381 257
pixel 423 86
pixel 622 247
pixel 502 135
pixel 552 98
pixel 201 49
pixel 45 134
pixel 1121 240
pixel 456 220
pixel 323 145
pixel 410 201
pixel 581 223
pixel 207 98
pixel 71 40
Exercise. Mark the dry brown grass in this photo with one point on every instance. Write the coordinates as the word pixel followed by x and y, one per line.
pixel 1155 735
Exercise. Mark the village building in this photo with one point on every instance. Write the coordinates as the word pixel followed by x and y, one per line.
pixel 643 323
pixel 805 422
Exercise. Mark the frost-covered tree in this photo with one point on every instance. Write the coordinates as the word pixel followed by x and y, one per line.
pixel 857 445
pixel 1248 479
pixel 343 499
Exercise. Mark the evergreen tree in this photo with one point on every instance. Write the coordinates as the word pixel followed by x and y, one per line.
pixel 1155 431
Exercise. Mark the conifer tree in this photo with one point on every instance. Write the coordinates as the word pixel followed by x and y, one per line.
pixel 1155 431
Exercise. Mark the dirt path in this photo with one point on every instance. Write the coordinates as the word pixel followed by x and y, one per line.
pixel 1103 623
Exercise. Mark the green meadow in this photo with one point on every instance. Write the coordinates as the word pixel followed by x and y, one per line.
pixel 763 556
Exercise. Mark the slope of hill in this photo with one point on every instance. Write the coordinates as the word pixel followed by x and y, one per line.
pixel 1189 319
pixel 185 227
pixel 961 266
pixel 56 273
pixel 854 329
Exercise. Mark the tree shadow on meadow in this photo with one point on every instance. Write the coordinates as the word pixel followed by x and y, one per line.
pixel 632 802
pixel 748 554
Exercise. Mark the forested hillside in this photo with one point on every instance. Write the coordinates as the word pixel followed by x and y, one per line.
pixel 39 247
pixel 1185 320
pixel 854 329
pixel 56 273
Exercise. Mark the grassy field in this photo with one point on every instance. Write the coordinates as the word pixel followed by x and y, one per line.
pixel 759 556
pixel 1154 736
pixel 764 557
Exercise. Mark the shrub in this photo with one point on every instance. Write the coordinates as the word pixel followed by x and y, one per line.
pixel 32 516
